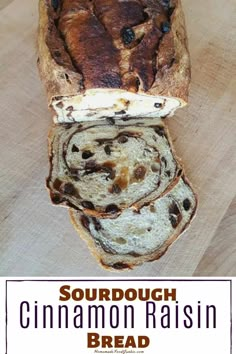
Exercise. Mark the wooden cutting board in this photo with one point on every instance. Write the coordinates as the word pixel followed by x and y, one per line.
pixel 37 238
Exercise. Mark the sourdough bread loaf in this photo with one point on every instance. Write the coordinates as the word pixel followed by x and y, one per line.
pixel 137 237
pixel 103 169
pixel 112 69
pixel 113 58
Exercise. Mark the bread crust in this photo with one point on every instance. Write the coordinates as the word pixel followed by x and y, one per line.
pixel 173 67
pixel 117 263
pixel 63 79
pixel 59 80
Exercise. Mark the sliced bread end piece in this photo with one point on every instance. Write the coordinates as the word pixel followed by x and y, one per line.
pixel 134 238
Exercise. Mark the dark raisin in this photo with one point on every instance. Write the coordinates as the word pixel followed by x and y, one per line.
pixel 106 248
pixel 122 139
pixel 97 224
pixel 163 159
pixel 57 184
pixel 88 205
pixel 87 154
pixel 186 204
pixel 158 105
pixel 172 62
pixel 56 198
pixel 174 221
pixel 120 265
pixel 68 188
pixel 165 27
pixel 120 112
pixel 168 173
pixel 139 172
pixel 107 150
pixel 116 189
pixel 170 11
pixel 107 167
pixel 57 54
pixel 146 16
pixel 137 82
pixel 160 131
pixel 127 35
pixel 75 148
pixel 91 167
pixel 85 222
pixel 74 173
pixel 112 175
pixel 110 120
pixel 55 4
pixel 174 209
pixel 67 77
pixel 112 208
pixel 60 104
pixel 179 173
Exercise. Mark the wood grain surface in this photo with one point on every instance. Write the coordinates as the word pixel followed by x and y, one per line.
pixel 36 238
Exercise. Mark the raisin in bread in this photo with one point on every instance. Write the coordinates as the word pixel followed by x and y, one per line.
pixel 134 238
pixel 118 59
pixel 103 169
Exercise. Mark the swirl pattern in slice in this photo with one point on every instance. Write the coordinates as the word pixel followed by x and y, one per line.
pixel 104 169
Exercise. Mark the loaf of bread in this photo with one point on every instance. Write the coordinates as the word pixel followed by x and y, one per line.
pixel 137 237
pixel 103 169
pixel 112 69
pixel 113 58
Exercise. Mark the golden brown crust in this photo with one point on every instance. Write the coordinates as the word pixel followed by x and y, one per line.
pixel 90 46
pixel 173 75
pixel 63 77
pixel 113 262
pixel 60 80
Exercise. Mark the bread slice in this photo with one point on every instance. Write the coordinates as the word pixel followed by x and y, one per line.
pixel 118 59
pixel 103 169
pixel 137 237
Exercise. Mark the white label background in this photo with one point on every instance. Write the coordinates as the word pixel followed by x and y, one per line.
pixel 71 340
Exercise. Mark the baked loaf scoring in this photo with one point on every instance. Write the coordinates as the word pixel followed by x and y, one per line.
pixel 113 58
pixel 103 169
pixel 134 238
